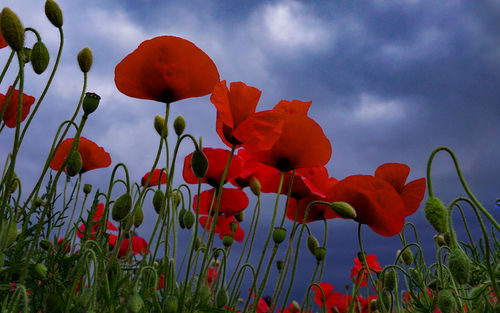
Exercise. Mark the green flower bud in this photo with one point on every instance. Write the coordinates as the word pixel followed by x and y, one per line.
pixel 279 235
pixel 138 216
pixel 240 216
pixel 227 241
pixel 171 304
pixel 37 202
pixel 46 244
pixel 40 271
pixel 205 294
pixel 459 265
pixel 361 256
pixel 26 55
pixel 90 102
pixel 176 200
pixel 436 214
pixel 221 298
pixel 446 301
pixel 196 243
pixel 312 243
pixel 158 198
pixel 384 302
pixel 11 233
pixel 14 183
pixel 320 253
pixel 39 57
pixel 414 274
pixel 280 264
pixel 390 279
pixel 85 59
pixel 159 123
pixel 255 186
pixel 121 207
pixel 188 219
pixel 182 212
pixel 343 209
pixel 135 303
pixel 439 239
pixel 406 256
pixel 199 163
pixel 74 164
pixel 53 13
pixel 12 29
pixel 179 125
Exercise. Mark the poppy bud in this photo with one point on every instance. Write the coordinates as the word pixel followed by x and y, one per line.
pixel 439 239
pixel 384 302
pixel 436 214
pixel 240 216
pixel 12 29
pixel 45 244
pixel 199 163
pixel 196 243
pixel 312 243
pixel 446 302
pixel 390 279
pixel 176 200
pixel 221 298
pixel 182 212
pixel 227 241
pixel 171 304
pixel 159 123
pixel 26 55
pixel 121 207
pixel 205 294
pixel 255 186
pixel 361 257
pixel 406 256
pixel 39 57
pixel 343 209
pixel 138 216
pixel 188 219
pixel 40 271
pixel 37 202
pixel 280 264
pixel 74 164
pixel 85 59
pixel 13 183
pixel 179 125
pixel 87 188
pixel 414 274
pixel 158 198
pixel 53 13
pixel 459 266
pixel 90 102
pixel 320 253
pixel 447 239
pixel 279 235
pixel 135 303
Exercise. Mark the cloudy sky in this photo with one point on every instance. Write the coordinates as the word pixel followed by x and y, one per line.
pixel 389 81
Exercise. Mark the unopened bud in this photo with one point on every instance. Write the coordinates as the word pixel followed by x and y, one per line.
pixel 406 256
pixel 158 198
pixel 135 303
pixel 312 243
pixel 171 304
pixel 343 209
pixel 53 13
pixel 74 164
pixel 40 271
pixel 439 239
pixel 85 59
pixel 37 202
pixel 87 188
pixel 14 183
pixel 279 235
pixel 176 199
pixel 390 279
pixel 436 214
pixel 227 241
pixel 459 265
pixel 90 102
pixel 39 57
pixel 188 219
pixel 138 216
pixel 196 243
pixel 446 302
pixel 179 125
pixel 320 253
pixel 12 29
pixel 199 163
pixel 45 244
pixel 182 212
pixel 159 124
pixel 121 207
pixel 255 186
pixel 221 298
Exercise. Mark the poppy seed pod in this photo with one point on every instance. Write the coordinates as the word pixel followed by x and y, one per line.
pixel 182 212
pixel 90 102
pixel 121 207
pixel 436 214
pixel 459 265
pixel 159 123
pixel 74 164
pixel 138 216
pixel 199 163
pixel 390 279
pixel 320 253
pixel 221 298
pixel 312 243
pixel 279 235
pixel 158 198
pixel 343 209
pixel 85 59
pixel 255 186
pixel 171 304
pixel 53 13
pixel 188 219
pixel 446 302
pixel 39 57
pixel 227 241
pixel 135 303
pixel 12 29
pixel 179 125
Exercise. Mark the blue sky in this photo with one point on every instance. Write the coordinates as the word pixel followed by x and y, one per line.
pixel 389 82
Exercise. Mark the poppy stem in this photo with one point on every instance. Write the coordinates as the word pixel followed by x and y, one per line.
pixel 9 60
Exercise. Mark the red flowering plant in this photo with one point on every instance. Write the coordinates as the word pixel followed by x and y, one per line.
pixel 8 110
pixel 155 179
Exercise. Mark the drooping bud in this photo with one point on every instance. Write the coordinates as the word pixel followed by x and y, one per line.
pixel 159 123
pixel 439 239
pixel 54 13
pixel 46 244
pixel 255 186
pixel 446 302
pixel 227 241
pixel 240 216
pixel 12 29
pixel 171 304
pixel 87 188
pixel 121 207
pixel 158 198
pixel 135 303
pixel 74 164
pixel 390 279
pixel 279 235
pixel 406 256
pixel 361 257
pixel 312 243
pixel 179 125
pixel 320 253
pixel 85 59
pixel 39 57
pixel 459 265
pixel 280 264
pixel 176 199
pixel 221 298
pixel 138 216
pixel 205 294
pixel 90 102
pixel 40 271
pixel 188 219
pixel 182 212
pixel 436 214
pixel 343 209
pixel 199 163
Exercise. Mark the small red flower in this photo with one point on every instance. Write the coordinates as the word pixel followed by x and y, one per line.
pixel 97 218
pixel 10 113
pixel 232 201
pixel 325 296
pixel 233 107
pixel 166 69
pixel 217 160
pixel 155 179
pixel 371 261
pixel 223 226
pixel 139 246
pixel 212 275
pixel 93 156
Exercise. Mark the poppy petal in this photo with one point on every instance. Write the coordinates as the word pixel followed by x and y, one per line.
pixel 394 173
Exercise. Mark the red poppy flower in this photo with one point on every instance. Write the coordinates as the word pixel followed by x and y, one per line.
pixel 97 217
pixel 10 113
pixel 166 69
pixel 212 275
pixel 155 178
pixel 92 155
pixel 327 297
pixel 139 246
pixel 232 201
pixel 251 169
pixel 233 107
pixel 285 137
pixel 223 226
pixel 217 160
pixel 381 201
pixel 371 261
